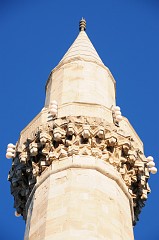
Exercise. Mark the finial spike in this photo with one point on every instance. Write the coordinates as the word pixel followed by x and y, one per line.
pixel 82 25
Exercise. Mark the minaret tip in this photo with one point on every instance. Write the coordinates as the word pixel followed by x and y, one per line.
pixel 82 25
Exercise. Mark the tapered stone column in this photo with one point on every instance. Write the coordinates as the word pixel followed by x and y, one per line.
pixel 81 197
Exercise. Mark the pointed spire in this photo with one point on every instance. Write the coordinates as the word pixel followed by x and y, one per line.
pixel 82 48
pixel 82 25
pixel 80 80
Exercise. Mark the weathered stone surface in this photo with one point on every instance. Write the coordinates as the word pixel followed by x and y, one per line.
pixel 80 203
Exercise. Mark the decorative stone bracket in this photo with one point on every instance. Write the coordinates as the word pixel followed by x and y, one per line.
pixel 69 136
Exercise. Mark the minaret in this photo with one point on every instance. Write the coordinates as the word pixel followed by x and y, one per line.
pixel 78 169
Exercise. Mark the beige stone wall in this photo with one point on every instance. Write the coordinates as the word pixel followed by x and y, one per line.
pixel 80 203
pixel 80 82
pixel 36 219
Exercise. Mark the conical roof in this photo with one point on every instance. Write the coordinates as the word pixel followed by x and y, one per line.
pixel 83 49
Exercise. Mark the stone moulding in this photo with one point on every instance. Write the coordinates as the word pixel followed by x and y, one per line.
pixel 73 59
pixel 66 137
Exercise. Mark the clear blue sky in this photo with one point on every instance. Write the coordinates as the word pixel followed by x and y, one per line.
pixel 35 34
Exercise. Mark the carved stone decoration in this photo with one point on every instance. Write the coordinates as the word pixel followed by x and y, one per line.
pixel 68 136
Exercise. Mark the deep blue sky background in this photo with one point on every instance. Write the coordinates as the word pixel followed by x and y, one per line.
pixel 34 35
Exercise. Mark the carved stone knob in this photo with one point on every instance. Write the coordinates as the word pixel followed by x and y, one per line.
pixel 125 148
pixel 33 149
pixel 112 141
pixel 17 214
pixel 44 137
pixel 117 114
pixel 23 156
pixel 70 129
pixel 53 108
pixel 151 164
pixel 153 170
pixel 100 132
pixel 86 132
pixel 57 136
pixel 10 151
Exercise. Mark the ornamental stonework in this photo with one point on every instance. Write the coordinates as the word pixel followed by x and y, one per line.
pixel 65 137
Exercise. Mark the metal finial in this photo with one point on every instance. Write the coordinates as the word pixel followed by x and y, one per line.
pixel 82 25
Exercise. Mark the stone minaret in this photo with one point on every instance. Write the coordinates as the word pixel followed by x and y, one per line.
pixel 78 169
